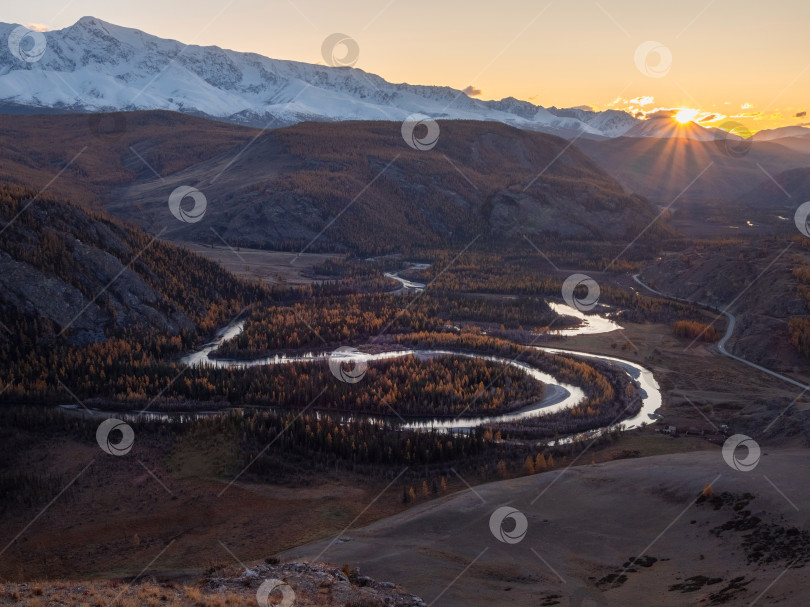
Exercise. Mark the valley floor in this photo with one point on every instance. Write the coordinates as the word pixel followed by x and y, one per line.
pixel 618 523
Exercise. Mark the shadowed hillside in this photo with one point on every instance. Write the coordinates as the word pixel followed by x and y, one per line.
pixel 663 169
pixel 66 273
pixel 376 194
pixel 98 151
pixel 358 182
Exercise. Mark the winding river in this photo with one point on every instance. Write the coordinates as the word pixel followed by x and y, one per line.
pixel 559 395
pixel 590 324
pixel 408 285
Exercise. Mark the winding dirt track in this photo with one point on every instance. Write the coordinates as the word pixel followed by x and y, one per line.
pixel 721 345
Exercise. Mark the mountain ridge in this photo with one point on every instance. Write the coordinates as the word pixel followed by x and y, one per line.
pixel 98 66
pixel 281 188
pixel 488 178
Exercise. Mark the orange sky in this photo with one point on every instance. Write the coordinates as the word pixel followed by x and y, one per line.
pixel 745 61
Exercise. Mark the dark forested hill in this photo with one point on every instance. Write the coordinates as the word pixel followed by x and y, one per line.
pixel 357 182
pixel 81 277
pixel 369 192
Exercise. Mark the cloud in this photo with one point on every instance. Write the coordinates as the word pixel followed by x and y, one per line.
pixel 471 91
pixel 642 101
pixel 800 114
pixel 37 27
pixel 661 113
pixel 669 113
pixel 746 106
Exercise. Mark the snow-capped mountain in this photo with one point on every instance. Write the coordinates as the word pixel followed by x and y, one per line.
pixel 610 123
pixel 97 66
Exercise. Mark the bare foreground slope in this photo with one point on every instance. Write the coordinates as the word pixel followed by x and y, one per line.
pixel 742 545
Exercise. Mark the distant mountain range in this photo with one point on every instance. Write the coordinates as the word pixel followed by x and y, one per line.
pixel 797 138
pixel 94 66
pixel 685 169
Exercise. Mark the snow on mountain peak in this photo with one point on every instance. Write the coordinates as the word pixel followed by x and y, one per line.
pixel 95 66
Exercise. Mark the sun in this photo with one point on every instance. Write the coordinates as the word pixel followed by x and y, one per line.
pixel 686 115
